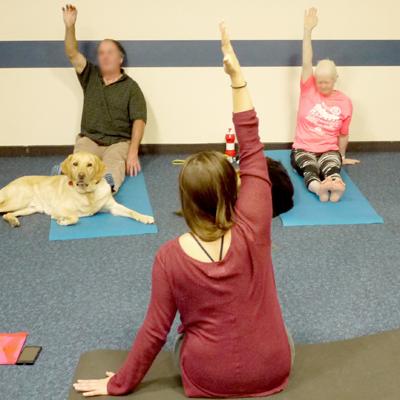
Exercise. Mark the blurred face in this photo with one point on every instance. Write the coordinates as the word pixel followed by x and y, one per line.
pixel 325 84
pixel 109 57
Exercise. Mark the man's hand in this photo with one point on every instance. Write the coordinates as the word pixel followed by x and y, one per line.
pixel 69 14
pixel 132 163
pixel 93 387
pixel 231 63
pixel 350 161
pixel 310 19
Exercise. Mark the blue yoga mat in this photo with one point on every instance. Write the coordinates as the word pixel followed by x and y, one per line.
pixel 132 194
pixel 352 209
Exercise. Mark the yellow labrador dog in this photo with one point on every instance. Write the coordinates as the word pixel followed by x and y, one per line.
pixel 80 192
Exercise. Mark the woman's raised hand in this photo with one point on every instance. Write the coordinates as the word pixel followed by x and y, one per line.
pixel 231 63
pixel 310 19
pixel 240 94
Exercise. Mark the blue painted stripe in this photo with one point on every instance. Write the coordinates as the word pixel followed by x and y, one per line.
pixel 206 53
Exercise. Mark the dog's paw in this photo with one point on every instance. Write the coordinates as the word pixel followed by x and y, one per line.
pixel 145 219
pixel 67 221
pixel 12 220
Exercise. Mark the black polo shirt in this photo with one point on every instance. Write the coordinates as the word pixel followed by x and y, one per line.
pixel 109 110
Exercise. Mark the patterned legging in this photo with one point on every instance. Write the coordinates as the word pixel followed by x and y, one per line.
pixel 316 166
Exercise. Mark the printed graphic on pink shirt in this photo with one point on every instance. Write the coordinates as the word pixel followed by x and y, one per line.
pixel 325 118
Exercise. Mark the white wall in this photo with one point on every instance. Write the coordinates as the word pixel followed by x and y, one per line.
pixel 41 106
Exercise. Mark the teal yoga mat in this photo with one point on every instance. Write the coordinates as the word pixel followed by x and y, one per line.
pixel 132 194
pixel 352 209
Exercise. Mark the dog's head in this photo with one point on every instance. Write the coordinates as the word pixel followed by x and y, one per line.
pixel 85 170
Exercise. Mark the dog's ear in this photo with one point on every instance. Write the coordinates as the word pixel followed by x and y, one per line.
pixel 66 166
pixel 100 169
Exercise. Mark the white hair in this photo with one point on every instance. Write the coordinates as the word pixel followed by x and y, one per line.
pixel 326 67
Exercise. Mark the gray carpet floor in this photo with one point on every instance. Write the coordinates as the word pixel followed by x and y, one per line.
pixel 72 296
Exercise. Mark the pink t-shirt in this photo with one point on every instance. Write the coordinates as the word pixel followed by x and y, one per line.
pixel 321 119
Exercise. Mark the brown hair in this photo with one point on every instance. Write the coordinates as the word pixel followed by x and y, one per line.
pixel 208 191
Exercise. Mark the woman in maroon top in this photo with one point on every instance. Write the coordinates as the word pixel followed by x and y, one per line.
pixel 219 276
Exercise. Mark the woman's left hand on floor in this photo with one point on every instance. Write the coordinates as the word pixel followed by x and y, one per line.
pixel 93 387
pixel 350 161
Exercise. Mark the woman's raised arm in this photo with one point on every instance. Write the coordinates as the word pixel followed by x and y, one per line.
pixel 254 205
pixel 310 22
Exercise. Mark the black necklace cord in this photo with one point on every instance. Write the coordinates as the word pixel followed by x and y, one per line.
pixel 205 251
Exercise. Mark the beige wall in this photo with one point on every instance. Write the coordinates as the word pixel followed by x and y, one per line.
pixel 195 19
pixel 190 105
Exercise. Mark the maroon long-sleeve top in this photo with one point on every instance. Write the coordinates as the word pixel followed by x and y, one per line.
pixel 235 342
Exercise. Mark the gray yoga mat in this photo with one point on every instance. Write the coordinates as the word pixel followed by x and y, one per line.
pixel 362 368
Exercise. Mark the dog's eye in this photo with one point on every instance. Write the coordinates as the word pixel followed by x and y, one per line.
pixel 90 165
pixel 75 164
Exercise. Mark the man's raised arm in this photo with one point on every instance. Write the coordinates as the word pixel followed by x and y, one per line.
pixel 76 58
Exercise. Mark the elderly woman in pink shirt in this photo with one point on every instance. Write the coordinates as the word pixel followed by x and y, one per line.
pixel 323 120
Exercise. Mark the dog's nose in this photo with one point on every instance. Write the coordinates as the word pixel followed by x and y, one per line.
pixel 81 175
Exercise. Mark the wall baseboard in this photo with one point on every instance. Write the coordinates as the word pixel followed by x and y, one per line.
pixel 196 147
pixel 19 151
pixel 35 151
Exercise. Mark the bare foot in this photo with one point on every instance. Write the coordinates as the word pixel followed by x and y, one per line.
pixel 324 189
pixel 337 189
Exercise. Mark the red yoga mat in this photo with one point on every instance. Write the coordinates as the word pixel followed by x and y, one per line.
pixel 11 345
